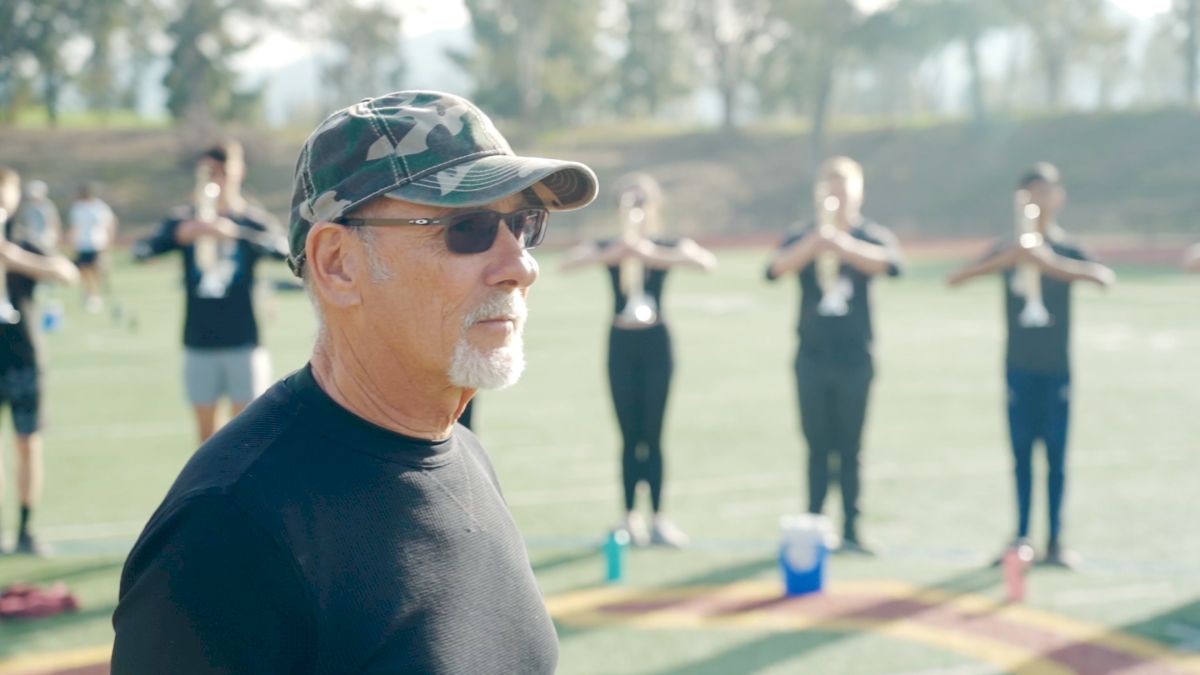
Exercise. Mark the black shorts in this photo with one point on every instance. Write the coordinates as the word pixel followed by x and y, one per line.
pixel 21 389
pixel 87 258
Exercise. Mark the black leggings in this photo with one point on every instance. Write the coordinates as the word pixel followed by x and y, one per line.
pixel 639 373
pixel 833 407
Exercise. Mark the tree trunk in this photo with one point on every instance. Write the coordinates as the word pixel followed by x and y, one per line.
pixel 979 112
pixel 727 83
pixel 50 94
pixel 821 105
pixel 1053 62
pixel 1192 50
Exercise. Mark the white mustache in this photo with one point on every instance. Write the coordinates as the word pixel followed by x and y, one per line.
pixel 502 306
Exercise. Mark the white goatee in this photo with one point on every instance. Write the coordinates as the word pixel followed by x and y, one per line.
pixel 474 368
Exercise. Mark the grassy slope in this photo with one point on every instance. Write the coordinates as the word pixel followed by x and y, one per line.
pixel 1130 172
pixel 937 484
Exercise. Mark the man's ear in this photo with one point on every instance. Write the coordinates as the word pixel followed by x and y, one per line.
pixel 336 264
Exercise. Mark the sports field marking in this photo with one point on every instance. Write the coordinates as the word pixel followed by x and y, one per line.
pixel 1111 595
pixel 1012 638
pixel 88 659
pixel 1187 636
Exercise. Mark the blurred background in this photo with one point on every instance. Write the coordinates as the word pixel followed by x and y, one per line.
pixel 729 102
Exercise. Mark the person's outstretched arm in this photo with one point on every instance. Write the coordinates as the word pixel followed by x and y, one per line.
pixel 686 253
pixel 54 268
pixel 999 258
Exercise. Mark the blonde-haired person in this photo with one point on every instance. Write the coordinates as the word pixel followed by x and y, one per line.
pixel 21 358
pixel 834 363
pixel 640 361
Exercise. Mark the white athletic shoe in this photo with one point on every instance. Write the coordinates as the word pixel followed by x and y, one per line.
pixel 635 526
pixel 665 533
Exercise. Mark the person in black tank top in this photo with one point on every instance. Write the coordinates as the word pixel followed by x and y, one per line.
pixel 640 362
pixel 1038 269
pixel 835 261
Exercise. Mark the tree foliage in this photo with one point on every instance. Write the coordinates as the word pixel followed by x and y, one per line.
pixel 655 67
pixel 534 61
pixel 201 82
pixel 368 56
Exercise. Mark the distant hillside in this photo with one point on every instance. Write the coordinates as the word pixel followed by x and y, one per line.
pixel 1126 174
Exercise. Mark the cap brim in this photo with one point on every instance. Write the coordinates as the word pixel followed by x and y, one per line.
pixel 559 185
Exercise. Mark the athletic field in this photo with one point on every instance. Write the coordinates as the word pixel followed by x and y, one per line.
pixel 937 492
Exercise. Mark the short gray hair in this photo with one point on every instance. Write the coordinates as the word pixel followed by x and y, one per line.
pixel 379 271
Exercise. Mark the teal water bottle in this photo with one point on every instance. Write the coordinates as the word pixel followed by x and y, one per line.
pixel 615 546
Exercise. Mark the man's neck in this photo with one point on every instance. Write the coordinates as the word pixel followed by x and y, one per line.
pixel 392 398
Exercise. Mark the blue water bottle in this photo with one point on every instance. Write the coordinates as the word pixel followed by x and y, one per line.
pixel 615 546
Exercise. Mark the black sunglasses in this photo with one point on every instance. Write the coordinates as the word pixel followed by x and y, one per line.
pixel 473 231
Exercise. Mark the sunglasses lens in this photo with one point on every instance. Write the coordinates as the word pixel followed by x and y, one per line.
pixel 476 232
pixel 529 226
pixel 472 232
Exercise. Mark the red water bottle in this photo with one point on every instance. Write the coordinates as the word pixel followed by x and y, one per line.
pixel 1016 563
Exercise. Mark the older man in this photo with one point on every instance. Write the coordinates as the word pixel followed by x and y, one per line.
pixel 344 523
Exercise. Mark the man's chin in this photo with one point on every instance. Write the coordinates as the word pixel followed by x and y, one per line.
pixel 481 368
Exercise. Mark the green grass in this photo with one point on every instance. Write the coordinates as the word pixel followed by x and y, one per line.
pixel 937 487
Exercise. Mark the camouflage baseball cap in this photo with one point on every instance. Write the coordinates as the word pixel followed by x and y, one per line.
pixel 424 147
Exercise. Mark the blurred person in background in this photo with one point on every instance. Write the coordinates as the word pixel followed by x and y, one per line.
pixel 640 360
pixel 223 354
pixel 835 259
pixel 1037 354
pixel 22 356
pixel 93 228
pixel 37 221
pixel 1191 259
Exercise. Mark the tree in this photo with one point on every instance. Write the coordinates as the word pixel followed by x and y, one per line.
pixel 367 42
pixel 534 61
pixel 47 25
pixel 1191 48
pixel 963 22
pixel 1060 30
pixel 653 68
pixel 100 20
pixel 733 37
pixel 201 82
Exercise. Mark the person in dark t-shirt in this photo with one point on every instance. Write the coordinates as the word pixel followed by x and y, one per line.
pixel 223 357
pixel 835 261
pixel 344 523
pixel 640 362
pixel 1037 270
pixel 22 355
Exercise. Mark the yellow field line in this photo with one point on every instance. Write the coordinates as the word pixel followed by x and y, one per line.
pixel 580 608
pixel 45 663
